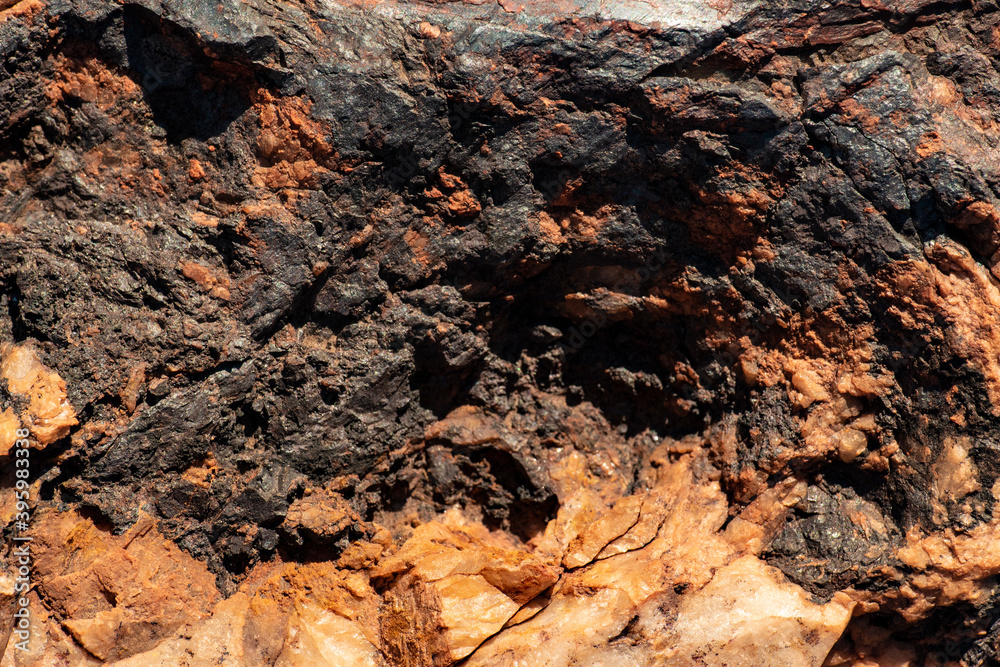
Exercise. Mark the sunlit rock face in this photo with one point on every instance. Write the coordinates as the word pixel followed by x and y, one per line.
pixel 500 333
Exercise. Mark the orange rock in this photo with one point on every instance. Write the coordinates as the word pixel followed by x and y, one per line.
pixel 195 171
pixel 456 578
pixel 465 425
pixel 850 444
pixel 242 631
pixel 49 415
pixel 612 525
pixel 808 382
pixel 550 229
pixel 429 31
pixel 120 595
pixel 954 471
pixel 472 611
pixel 216 284
pixel 464 204
pixel 450 181
pixel 130 393
pixel 624 610
pixel 49 643
pixel 651 517
pixel 199 274
pixel 323 515
pixel 961 291
pixel 360 555
pixel 9 424
pixel 320 637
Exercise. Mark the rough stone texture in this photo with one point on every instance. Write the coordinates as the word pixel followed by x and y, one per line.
pixel 406 333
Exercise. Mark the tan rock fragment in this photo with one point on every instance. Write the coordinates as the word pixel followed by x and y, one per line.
pixel 850 444
pixel 529 611
pixel 297 587
pixel 809 384
pixel 322 514
pixel 117 595
pixel 519 575
pixel 49 415
pixel 583 497
pixel 48 644
pixel 437 550
pixel 429 30
pixel 465 425
pixel 625 610
pixel 215 283
pixel 651 516
pixel 464 204
pixel 760 521
pixel 9 424
pixel 823 431
pixel 750 616
pixel 320 638
pixel 457 582
pixel 471 612
pixel 863 384
pixel 595 603
pixel 567 632
pixel 242 632
pixel 360 555
pixel 949 568
pixel 605 530
pixel 130 393
pixel 954 472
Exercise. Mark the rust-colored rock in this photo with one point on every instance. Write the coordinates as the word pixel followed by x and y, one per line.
pixel 48 414
pixel 117 596
pixel 463 582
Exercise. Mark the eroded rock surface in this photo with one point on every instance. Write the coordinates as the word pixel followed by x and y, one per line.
pixel 502 333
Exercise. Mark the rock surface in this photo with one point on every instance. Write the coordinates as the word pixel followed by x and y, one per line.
pixel 502 333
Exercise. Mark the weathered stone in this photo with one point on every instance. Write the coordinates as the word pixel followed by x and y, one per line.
pixel 117 596
pixel 411 333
